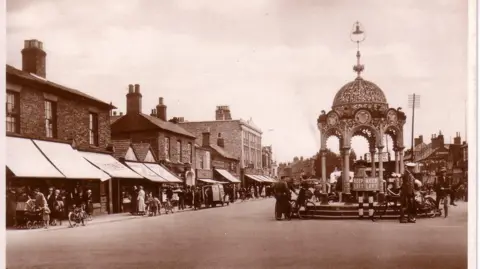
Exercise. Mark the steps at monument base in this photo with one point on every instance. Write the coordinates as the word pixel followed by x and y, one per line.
pixel 348 212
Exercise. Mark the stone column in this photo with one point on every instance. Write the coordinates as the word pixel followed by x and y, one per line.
pixel 397 168
pixel 372 158
pixel 346 170
pixel 380 169
pixel 402 166
pixel 323 154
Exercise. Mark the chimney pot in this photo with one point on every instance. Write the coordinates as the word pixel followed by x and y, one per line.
pixel 130 88
pixel 114 113
pixel 160 100
pixel 121 113
pixel 137 88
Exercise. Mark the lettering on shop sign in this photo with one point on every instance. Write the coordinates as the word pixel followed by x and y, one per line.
pixel 204 173
pixel 365 184
pixel 219 164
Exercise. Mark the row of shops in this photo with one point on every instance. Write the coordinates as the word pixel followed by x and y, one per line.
pixel 43 164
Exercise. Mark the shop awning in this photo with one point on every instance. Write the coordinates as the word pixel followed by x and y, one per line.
pixel 69 161
pixel 24 159
pixel 145 172
pixel 109 165
pixel 271 179
pixel 254 177
pixel 206 180
pixel 163 172
pixel 227 175
pixel 266 179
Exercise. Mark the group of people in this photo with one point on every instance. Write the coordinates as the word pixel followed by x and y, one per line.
pixel 52 205
pixel 443 186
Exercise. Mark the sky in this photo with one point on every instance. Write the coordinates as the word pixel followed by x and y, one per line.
pixel 279 62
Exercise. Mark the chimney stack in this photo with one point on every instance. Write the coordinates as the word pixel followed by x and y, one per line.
pixel 34 58
pixel 134 100
pixel 457 140
pixel 161 110
pixel 220 141
pixel 223 113
pixel 206 139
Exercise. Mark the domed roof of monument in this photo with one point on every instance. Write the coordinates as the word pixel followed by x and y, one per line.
pixel 359 91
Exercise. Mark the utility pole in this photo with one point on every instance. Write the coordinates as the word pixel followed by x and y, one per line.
pixel 413 102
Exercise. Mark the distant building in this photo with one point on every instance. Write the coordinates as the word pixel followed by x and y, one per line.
pixel 241 139
pixel 267 161
pixel 437 153
pixel 173 145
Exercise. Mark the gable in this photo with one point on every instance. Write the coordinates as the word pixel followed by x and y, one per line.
pixel 130 155
pixel 149 158
pixel 132 123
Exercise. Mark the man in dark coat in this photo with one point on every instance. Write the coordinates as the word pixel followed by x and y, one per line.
pixel 442 186
pixel 407 195
pixel 282 196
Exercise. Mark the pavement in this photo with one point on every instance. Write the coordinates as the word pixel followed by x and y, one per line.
pixel 246 235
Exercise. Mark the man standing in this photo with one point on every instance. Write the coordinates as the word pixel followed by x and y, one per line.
pixel 282 195
pixel 442 185
pixel 407 195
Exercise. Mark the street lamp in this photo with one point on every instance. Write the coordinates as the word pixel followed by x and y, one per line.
pixel 413 102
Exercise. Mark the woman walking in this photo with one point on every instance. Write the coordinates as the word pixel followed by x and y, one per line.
pixel 141 201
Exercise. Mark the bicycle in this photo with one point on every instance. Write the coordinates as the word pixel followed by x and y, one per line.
pixel 385 205
pixel 77 216
pixel 307 207
pixel 168 207
pixel 444 200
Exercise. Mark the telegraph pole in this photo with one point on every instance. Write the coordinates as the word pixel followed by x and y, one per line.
pixel 413 102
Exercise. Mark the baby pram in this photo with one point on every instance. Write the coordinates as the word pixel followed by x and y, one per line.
pixel 28 216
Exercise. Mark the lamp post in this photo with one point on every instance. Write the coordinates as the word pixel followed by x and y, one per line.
pixel 413 102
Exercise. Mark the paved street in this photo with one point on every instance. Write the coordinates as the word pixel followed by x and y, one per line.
pixel 245 235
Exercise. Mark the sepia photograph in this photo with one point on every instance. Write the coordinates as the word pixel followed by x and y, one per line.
pixel 240 134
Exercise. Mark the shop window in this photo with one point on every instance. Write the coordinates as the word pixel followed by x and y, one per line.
pixel 13 112
pixel 50 119
pixel 93 129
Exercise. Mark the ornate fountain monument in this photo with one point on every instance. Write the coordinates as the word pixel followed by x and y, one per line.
pixel 360 108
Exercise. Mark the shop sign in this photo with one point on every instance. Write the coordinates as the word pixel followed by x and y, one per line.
pixel 365 184
pixel 201 173
pixel 219 164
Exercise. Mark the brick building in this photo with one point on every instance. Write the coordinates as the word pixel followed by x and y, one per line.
pixel 437 153
pixel 241 139
pixel 47 125
pixel 172 144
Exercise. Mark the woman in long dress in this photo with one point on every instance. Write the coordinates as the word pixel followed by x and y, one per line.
pixel 141 201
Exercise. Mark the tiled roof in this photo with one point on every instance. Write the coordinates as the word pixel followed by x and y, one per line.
pixel 141 150
pixel 31 78
pixel 222 152
pixel 114 119
pixel 121 147
pixel 168 126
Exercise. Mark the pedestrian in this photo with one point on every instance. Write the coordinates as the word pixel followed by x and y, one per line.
pixel 141 201
pixel 88 201
pixel 181 200
pixel 134 200
pixel 442 184
pixel 58 207
pixel 42 205
pixel 407 195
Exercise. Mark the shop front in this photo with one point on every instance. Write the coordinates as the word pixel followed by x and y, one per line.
pixel 205 177
pixel 232 183
pixel 43 164
pixel 122 179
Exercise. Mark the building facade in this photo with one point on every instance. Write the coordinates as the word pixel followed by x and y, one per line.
pixel 61 122
pixel 172 144
pixel 241 139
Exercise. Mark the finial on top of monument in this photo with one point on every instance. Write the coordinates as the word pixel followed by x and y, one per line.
pixel 358 35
